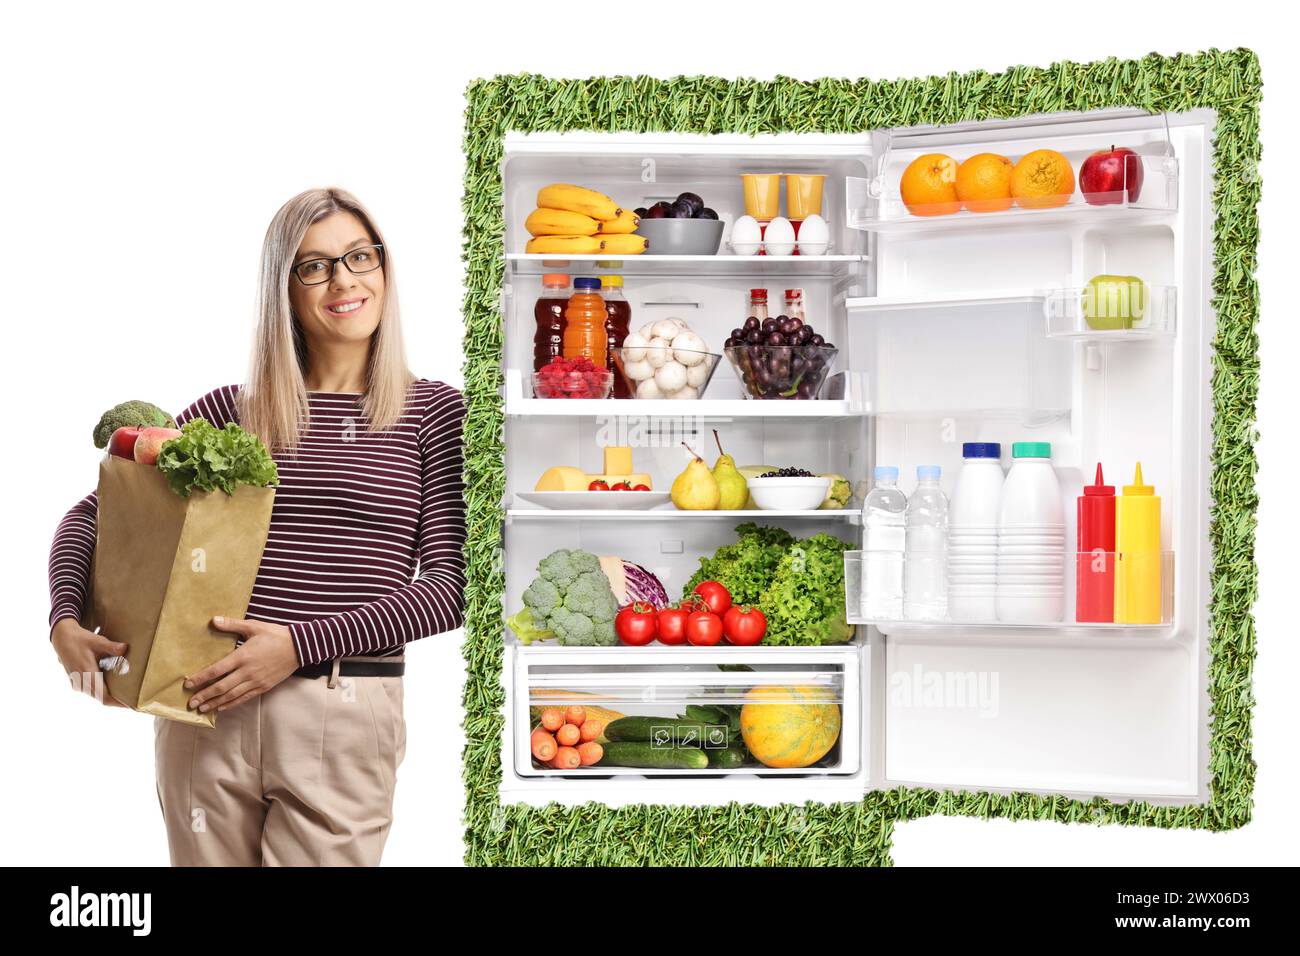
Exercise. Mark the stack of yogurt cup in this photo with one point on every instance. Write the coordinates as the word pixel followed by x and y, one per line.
pixel 973 519
pixel 1030 586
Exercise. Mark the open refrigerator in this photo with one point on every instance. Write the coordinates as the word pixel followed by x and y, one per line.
pixel 955 328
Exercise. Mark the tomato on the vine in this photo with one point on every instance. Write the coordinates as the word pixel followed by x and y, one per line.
pixel 715 595
pixel 744 625
pixel 636 625
pixel 704 629
pixel 672 625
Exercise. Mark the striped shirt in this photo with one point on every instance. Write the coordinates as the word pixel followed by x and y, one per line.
pixel 365 551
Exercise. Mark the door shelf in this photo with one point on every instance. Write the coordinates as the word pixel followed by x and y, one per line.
pixel 828 266
pixel 874 205
pixel 646 682
pixel 1067 313
pixel 1150 610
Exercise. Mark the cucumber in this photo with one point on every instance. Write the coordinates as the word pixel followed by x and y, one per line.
pixel 727 759
pixel 647 756
pixel 641 729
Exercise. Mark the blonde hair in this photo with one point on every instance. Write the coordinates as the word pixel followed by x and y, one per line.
pixel 273 404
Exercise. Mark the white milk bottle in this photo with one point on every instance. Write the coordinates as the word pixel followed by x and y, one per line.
pixel 973 533
pixel 925 571
pixel 1031 539
pixel 883 545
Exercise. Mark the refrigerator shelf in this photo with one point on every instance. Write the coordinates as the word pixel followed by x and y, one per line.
pixel 673 514
pixel 827 266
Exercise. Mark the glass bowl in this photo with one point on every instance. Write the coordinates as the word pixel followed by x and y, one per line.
pixel 781 371
pixel 664 368
pixel 596 383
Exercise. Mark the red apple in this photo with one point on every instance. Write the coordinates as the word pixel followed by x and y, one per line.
pixel 150 441
pixel 1104 176
pixel 122 442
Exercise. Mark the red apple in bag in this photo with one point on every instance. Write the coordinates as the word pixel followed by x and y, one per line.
pixel 122 442
pixel 150 442
pixel 1104 176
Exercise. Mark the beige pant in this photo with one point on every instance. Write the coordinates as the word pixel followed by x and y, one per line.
pixel 301 776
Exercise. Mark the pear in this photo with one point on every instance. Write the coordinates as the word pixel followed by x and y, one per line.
pixel 731 484
pixel 695 489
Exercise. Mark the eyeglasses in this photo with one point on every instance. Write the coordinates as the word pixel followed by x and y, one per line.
pixel 358 262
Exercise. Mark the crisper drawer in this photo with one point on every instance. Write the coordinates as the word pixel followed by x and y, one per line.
pixel 694 712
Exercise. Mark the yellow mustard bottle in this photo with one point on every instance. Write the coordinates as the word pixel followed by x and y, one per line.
pixel 1137 539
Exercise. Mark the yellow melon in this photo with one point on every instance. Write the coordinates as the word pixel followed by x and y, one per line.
pixel 788 727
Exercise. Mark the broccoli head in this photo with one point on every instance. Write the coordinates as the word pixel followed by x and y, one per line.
pixel 572 597
pixel 133 414
pixel 562 567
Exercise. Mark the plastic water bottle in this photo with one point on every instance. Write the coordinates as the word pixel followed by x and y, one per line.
pixel 925 571
pixel 883 545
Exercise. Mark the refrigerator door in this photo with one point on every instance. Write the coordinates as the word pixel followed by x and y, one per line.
pixel 1118 710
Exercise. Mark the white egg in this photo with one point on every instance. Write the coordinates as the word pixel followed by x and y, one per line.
pixel 778 240
pixel 668 328
pixel 648 389
pixel 634 347
pixel 814 236
pixel 697 375
pixel 686 391
pixel 671 377
pixel 688 348
pixel 657 351
pixel 745 236
pixel 639 370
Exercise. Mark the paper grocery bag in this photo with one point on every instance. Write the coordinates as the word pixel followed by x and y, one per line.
pixel 164 566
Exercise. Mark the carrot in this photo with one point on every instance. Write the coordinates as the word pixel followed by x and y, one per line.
pixel 552 719
pixel 568 735
pixel 543 745
pixel 566 758
pixel 575 715
pixel 590 753
pixel 591 729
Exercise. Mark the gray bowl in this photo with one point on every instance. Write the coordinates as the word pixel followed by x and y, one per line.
pixel 681 237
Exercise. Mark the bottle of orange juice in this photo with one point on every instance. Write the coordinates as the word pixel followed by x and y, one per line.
pixel 584 323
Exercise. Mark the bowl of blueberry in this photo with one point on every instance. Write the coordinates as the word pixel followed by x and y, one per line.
pixel 779 358
pixel 683 227
pixel 788 489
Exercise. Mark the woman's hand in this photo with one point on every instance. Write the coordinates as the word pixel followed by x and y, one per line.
pixel 264 659
pixel 79 652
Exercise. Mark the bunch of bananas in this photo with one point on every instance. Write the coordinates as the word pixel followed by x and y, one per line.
pixel 581 222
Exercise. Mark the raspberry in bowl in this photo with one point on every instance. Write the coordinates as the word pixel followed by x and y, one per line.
pixel 572 378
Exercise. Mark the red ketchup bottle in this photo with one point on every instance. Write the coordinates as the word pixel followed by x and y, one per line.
pixel 1095 569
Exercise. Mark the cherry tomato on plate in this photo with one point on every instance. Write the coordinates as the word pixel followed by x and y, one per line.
pixel 704 629
pixel 636 624
pixel 672 625
pixel 744 625
pixel 620 486
pixel 641 488
pixel 715 595
pixel 598 486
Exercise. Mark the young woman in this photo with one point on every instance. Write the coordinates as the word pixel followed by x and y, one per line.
pixel 364 555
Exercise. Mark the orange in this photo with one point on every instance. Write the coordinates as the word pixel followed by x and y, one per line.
pixel 1042 179
pixel 929 185
pixel 984 182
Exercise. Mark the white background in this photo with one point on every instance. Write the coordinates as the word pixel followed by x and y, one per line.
pixel 145 142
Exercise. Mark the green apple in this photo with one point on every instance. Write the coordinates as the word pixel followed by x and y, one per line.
pixel 1114 302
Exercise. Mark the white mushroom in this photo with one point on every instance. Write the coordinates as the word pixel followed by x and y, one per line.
pixel 668 328
pixel 638 371
pixel 648 389
pixel 686 391
pixel 671 377
pixel 689 348
pixel 634 347
pixel 658 351
pixel 697 375
pixel 647 331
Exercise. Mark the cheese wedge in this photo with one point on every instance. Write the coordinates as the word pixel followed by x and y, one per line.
pixel 563 478
pixel 618 460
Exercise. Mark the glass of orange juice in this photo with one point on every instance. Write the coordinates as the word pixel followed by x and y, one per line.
pixel 803 195
pixel 762 195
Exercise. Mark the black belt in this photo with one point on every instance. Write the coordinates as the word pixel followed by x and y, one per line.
pixel 348 668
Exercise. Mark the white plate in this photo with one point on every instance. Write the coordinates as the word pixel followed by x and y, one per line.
pixel 597 500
